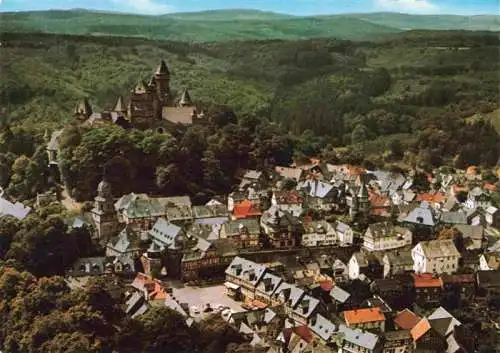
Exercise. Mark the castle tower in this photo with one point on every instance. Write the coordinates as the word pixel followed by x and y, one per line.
pixel 103 213
pixel 120 106
pixel 151 260
pixel 162 79
pixel 185 100
pixel 83 110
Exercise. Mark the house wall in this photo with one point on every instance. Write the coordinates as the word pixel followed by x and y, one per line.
pixel 353 268
pixel 346 237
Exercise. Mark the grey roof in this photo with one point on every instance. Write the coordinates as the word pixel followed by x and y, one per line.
pixel 291 293
pixel 165 232
pixel 289 173
pixel 175 200
pixel 400 258
pixel 389 182
pixel 321 326
pixel 468 231
pixel 89 266
pixel 306 306
pixel 213 211
pixel 339 294
pixel 269 283
pixel 252 174
pixel 53 144
pixel 318 188
pixel 453 217
pixel 439 248
pixel 341 227
pixel 359 338
pixel 244 269
pixel 162 68
pixel 140 206
pixel 17 210
pixel 234 227
pixel 421 215
pixel 124 240
pixel 443 322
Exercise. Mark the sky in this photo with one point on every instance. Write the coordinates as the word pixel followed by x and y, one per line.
pixel 295 7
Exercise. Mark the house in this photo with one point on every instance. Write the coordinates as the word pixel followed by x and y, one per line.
pixel 243 233
pixel 428 288
pixel 443 322
pixel 154 291
pixel 434 199
pixel 168 235
pixel 473 236
pixel 403 197
pixel 295 339
pixel 287 294
pixel 426 339
pixel 340 298
pixel 435 256
pixel 319 194
pixel 463 285
pixel 289 201
pixel 388 182
pixel 178 209
pixel 289 173
pixel 488 283
pixel 492 216
pixel 305 308
pixel 351 340
pixel 88 266
pixel 319 233
pixel 244 275
pixel 380 205
pixel 127 242
pixel 322 328
pixel 397 341
pixel 453 217
pixel 406 320
pixel 371 319
pixel 246 209
pixel 489 261
pixel 201 261
pixel 421 216
pixel 214 214
pixel 385 236
pixel 282 229
pixel 397 262
pixel 389 289
pixel 139 210
pixel 266 287
pixel 253 178
pixel 340 271
pixel 357 265
pixel 264 322
pixel 344 232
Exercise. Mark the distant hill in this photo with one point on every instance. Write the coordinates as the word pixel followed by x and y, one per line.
pixel 193 27
pixel 224 25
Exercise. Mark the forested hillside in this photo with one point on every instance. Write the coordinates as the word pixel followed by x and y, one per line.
pixel 409 99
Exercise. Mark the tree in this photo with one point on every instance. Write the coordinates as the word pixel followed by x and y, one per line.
pixel 164 330
pixel 359 134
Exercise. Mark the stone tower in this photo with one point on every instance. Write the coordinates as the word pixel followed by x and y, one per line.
pixel 103 213
pixel 363 200
pixel 151 260
pixel 162 81
pixel 83 110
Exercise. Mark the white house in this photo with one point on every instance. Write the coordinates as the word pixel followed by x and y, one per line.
pixel 319 233
pixel 489 261
pixel 288 200
pixel 356 264
pixel 435 256
pixel 385 236
pixel 344 233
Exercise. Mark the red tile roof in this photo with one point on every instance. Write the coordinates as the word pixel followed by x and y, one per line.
pixel 490 187
pixel 406 319
pixel 360 316
pixel 426 280
pixel 245 209
pixel 420 329
pixel 437 197
pixel 304 333
pixel 327 286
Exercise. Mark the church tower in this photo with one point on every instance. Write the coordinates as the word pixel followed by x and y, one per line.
pixel 162 81
pixel 103 213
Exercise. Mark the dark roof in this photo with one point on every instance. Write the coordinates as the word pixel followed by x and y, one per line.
pixel 162 68
pixel 185 98
pixel 488 278
pixel 119 106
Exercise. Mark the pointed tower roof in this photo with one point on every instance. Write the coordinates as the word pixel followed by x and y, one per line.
pixel 119 106
pixel 140 86
pixel 185 99
pixel 152 82
pixel 83 108
pixel 162 68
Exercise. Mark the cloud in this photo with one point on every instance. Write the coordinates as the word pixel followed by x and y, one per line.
pixel 153 7
pixel 424 6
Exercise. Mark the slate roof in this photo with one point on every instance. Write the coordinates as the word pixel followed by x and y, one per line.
pixel 322 327
pixel 17 210
pixel 439 248
pixel 306 306
pixel 289 173
pixel 214 211
pixel 162 68
pixel 126 239
pixel 244 269
pixel 291 293
pixel 442 321
pixel 421 215
pixel 140 206
pixel 318 188
pixel 269 283
pixel 165 232
pixel 341 227
pixel 234 227
pixel 89 266
pixel 339 294
pixel 359 338
pixel 453 217
pixel 400 258
pixel 389 182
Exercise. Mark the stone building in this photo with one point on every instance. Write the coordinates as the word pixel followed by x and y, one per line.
pixel 103 213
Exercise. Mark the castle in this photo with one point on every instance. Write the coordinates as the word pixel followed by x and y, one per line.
pixel 149 105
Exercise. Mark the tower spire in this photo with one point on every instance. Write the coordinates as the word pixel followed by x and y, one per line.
pixel 162 68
